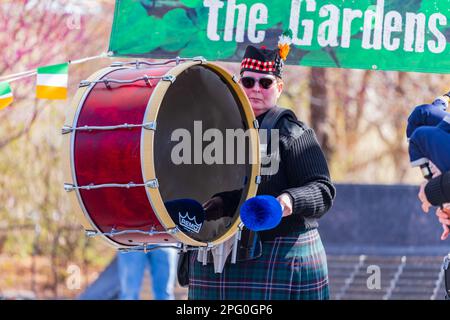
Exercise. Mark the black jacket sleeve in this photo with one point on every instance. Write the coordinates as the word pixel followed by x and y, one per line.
pixel 437 189
pixel 309 179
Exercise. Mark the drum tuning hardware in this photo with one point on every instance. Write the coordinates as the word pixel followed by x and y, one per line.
pixel 117 64
pixel 256 124
pixel 235 78
pixel 152 184
pixel 90 233
pixel 114 232
pixel 84 83
pixel 258 180
pixel 150 125
pixel 169 78
pixel 147 80
pixel 69 187
pixel 108 81
pixel 201 59
pixel 66 129
pixel 138 64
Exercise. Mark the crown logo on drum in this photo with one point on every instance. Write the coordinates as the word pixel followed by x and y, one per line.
pixel 189 223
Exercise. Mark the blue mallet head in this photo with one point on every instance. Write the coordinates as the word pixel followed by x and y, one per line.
pixel 261 213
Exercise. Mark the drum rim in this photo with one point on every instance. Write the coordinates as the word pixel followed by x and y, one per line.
pixel 72 116
pixel 147 146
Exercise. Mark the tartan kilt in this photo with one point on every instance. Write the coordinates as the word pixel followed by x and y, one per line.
pixel 290 268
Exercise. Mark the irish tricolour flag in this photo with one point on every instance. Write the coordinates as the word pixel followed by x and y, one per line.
pixel 52 82
pixel 6 97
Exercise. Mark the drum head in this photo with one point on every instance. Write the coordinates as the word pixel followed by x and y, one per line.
pixel 200 151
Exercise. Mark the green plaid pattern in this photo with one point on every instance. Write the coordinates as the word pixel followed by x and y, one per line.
pixel 291 268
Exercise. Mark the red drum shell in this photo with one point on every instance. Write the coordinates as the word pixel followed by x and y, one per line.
pixel 114 156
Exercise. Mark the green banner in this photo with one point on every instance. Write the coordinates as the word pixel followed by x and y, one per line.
pixel 404 35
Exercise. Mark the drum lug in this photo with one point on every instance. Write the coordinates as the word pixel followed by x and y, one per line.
pixel 256 124
pixel 117 64
pixel 84 83
pixel 235 78
pixel 201 59
pixel 258 180
pixel 150 125
pixel 66 129
pixel 90 233
pixel 69 187
pixel 169 78
pixel 152 184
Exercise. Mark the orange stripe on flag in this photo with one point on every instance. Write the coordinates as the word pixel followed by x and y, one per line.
pixel 6 102
pixel 53 93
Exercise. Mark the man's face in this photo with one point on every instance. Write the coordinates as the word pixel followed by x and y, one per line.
pixel 262 97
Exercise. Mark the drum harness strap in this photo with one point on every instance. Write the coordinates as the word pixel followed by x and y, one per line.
pixel 251 245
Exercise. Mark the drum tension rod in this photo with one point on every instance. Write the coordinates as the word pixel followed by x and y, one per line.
pixel 148 126
pixel 177 61
pixel 149 184
pixel 107 81
pixel 114 232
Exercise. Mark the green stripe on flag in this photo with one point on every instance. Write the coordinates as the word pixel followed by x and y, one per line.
pixel 62 68
pixel 5 88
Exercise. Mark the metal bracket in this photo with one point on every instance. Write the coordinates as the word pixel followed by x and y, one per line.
pixel 235 78
pixel 256 124
pixel 201 59
pixel 258 180
pixel 154 184
pixel 169 78
pixel 150 125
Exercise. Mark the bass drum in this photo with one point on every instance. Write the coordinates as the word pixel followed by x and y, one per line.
pixel 139 139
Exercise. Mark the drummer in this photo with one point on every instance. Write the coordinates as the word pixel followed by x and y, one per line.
pixel 293 263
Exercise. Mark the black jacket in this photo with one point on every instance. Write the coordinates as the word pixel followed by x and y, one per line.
pixel 303 173
pixel 437 189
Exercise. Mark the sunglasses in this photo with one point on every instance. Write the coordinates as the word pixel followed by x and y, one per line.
pixel 249 82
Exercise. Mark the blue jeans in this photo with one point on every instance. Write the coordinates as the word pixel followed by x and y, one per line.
pixel 163 268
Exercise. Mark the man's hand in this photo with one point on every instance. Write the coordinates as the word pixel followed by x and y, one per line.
pixel 286 203
pixel 444 218
pixel 423 198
